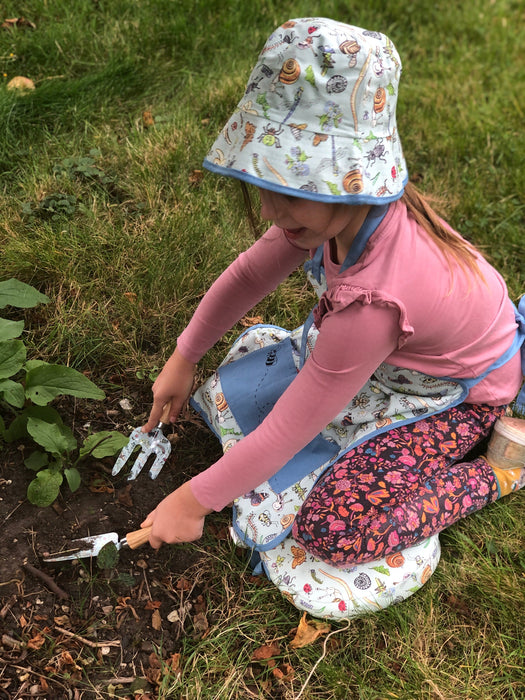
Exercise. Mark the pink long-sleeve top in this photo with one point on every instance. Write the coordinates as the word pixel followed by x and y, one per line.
pixel 401 303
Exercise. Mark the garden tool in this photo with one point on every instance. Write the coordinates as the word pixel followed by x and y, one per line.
pixel 91 546
pixel 152 443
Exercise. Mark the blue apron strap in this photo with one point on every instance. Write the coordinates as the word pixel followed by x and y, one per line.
pixel 374 217
pixel 315 265
pixel 520 320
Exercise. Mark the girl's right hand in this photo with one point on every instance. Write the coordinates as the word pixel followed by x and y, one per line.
pixel 173 386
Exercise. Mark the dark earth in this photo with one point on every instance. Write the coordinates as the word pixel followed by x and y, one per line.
pixel 72 629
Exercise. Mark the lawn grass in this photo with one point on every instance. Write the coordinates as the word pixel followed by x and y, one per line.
pixel 148 85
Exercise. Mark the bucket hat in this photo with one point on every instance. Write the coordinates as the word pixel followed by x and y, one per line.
pixel 318 117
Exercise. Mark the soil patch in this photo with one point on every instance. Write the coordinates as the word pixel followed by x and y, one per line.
pixel 70 629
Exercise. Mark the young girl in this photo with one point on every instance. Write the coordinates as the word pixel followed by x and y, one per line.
pixel 346 441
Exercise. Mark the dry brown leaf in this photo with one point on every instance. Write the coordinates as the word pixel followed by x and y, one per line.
pixel 148 119
pixel 283 672
pixel 153 605
pixel 66 660
pixel 17 22
pixel 156 620
pixel 195 177
pixel 173 665
pixel 247 321
pixel 183 584
pixel 36 642
pixel 266 652
pixel 308 631
pixel 62 620
pixel 200 623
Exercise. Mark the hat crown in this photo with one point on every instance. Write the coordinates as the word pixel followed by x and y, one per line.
pixel 318 116
pixel 329 75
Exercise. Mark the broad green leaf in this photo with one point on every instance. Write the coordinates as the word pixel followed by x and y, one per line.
pixel 19 294
pixel 12 392
pixel 12 357
pixel 104 444
pixel 107 558
pixel 73 478
pixel 31 364
pixel 10 329
pixel 36 460
pixel 46 382
pixel 44 489
pixel 18 427
pixel 57 439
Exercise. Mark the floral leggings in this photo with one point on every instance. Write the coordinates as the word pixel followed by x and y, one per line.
pixel 399 488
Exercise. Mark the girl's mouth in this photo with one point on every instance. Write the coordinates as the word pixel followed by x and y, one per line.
pixel 293 232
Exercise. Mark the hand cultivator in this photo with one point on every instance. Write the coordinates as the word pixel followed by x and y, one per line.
pixel 154 443
pixel 91 546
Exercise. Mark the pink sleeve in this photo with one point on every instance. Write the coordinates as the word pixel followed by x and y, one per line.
pixel 350 346
pixel 253 275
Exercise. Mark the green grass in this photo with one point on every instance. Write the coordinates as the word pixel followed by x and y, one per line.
pixel 127 267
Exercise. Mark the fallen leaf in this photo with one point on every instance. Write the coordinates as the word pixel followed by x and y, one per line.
pixel 66 660
pixel 248 321
pixel 156 621
pixel 62 620
pixel 153 605
pixel 173 666
pixel 147 119
pixel 308 631
pixel 283 672
pixel 36 642
pixel 200 623
pixel 183 584
pixel 266 652
pixel 21 83
pixel 17 22
pixel 195 177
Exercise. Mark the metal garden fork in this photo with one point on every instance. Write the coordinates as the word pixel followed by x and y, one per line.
pixel 154 443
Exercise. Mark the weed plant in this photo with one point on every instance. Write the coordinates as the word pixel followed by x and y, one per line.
pixel 127 255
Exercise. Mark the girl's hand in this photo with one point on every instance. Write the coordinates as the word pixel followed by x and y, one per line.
pixel 177 518
pixel 173 386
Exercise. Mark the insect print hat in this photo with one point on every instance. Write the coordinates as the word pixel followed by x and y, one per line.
pixel 318 117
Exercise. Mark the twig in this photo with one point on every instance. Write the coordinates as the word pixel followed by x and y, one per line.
pixel 342 629
pixel 94 645
pixel 47 580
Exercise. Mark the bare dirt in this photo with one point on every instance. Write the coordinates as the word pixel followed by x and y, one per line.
pixel 70 629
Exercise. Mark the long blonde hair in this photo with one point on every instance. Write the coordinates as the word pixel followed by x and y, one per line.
pixel 448 242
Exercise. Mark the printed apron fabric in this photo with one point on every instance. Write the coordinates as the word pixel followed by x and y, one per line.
pixel 237 397
pixel 260 365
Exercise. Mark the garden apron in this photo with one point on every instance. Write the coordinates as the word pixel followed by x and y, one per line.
pixel 258 368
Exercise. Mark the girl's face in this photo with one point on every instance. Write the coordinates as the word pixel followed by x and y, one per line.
pixel 309 224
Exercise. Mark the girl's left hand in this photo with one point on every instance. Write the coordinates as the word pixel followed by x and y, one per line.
pixel 177 518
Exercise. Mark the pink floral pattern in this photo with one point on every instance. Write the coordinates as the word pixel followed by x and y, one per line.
pixel 399 488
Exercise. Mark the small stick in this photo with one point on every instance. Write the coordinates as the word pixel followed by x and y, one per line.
pixel 47 580
pixel 94 645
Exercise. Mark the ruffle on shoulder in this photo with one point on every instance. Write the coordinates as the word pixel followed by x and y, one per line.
pixel 341 296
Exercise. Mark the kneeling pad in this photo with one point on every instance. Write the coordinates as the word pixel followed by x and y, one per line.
pixel 325 591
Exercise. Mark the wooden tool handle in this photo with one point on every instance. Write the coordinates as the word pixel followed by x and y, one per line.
pixel 138 537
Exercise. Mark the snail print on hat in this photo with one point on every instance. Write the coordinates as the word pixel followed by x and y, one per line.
pixel 318 117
